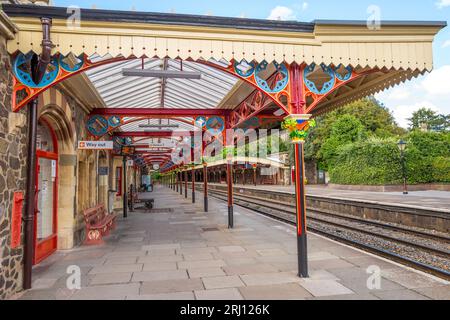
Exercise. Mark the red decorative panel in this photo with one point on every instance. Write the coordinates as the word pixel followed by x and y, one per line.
pixel 16 219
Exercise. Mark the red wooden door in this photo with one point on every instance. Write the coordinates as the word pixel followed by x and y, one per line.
pixel 45 222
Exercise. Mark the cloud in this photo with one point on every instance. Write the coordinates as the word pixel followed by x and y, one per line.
pixel 437 82
pixel 281 13
pixel 446 44
pixel 403 112
pixel 430 91
pixel 400 93
pixel 443 3
pixel 305 6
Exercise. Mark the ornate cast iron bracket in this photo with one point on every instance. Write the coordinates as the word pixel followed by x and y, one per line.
pixel 25 89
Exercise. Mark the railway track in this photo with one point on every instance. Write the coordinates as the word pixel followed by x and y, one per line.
pixel 423 250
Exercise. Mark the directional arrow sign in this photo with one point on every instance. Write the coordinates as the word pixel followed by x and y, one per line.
pixel 95 145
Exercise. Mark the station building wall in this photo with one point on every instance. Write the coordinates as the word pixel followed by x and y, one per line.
pixel 78 183
pixel 13 163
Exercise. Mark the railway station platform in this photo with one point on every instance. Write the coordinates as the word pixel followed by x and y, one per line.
pixel 431 200
pixel 176 251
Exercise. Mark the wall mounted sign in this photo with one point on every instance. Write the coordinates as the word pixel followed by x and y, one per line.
pixel 103 171
pixel 95 145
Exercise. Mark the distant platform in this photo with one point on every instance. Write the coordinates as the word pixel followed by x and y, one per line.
pixel 177 251
pixel 424 199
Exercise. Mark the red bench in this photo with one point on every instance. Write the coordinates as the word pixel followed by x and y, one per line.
pixel 98 224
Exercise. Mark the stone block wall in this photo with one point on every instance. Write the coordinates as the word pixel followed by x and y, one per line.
pixel 13 159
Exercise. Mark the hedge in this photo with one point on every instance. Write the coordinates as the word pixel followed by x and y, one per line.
pixel 371 162
pixel 376 161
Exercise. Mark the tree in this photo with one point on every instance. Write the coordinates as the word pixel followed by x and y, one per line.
pixel 377 120
pixel 375 117
pixel 429 119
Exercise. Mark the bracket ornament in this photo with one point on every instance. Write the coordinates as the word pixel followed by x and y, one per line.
pixel 298 126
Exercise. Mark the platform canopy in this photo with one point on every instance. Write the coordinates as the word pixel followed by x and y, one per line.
pixel 399 45
pixel 399 50
pixel 340 61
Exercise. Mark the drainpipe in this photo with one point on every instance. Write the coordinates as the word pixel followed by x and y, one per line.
pixel 38 68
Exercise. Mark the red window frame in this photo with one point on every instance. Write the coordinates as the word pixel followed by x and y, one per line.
pixel 119 181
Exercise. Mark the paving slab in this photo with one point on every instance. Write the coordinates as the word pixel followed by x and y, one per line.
pixel 163 246
pixel 159 266
pixel 271 252
pixel 43 283
pixel 110 292
pixel 116 268
pixel 249 269
pixel 157 259
pixel 171 286
pixel 122 254
pixel 222 282
pixel 158 275
pixel 219 294
pixel 399 295
pixel 410 280
pixel 188 295
pixel 121 260
pixel 438 293
pixel 289 291
pixel 205 272
pixel 200 264
pixel 231 249
pixel 357 280
pixel 111 278
pixel 320 288
pixel 198 256
pixel 269 278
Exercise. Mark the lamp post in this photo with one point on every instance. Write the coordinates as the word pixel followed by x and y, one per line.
pixel 402 146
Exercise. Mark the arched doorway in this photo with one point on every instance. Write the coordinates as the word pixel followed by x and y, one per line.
pixel 46 237
pixel 54 113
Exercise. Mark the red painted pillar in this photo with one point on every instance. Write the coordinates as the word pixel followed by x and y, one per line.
pixel 230 192
pixel 181 182
pixel 297 107
pixel 193 184
pixel 185 183
pixel 300 197
pixel 205 187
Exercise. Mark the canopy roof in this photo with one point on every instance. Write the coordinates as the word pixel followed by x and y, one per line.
pixel 381 58
pixel 406 45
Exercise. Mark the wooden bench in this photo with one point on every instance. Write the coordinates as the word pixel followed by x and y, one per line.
pixel 98 224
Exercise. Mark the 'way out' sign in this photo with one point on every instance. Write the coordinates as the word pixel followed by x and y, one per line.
pixel 95 145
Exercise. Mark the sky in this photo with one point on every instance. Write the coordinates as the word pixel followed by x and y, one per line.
pixel 431 90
